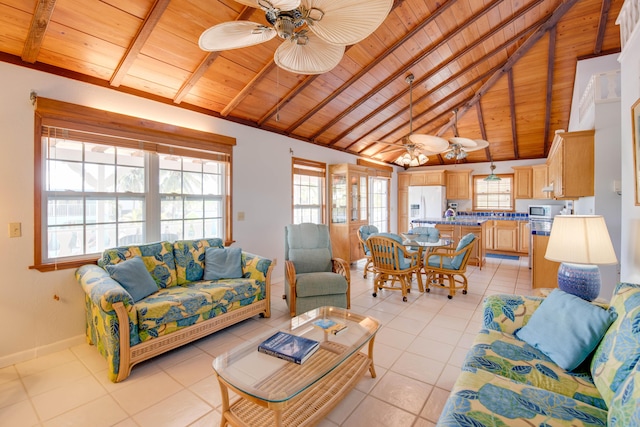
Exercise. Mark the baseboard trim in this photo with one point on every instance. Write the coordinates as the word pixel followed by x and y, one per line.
pixel 24 356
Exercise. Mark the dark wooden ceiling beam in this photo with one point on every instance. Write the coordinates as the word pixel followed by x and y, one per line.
pixel 310 79
pixel 372 64
pixel 557 14
pixel 467 49
pixel 37 30
pixel 150 22
pixel 602 24
pixel 512 112
pixel 483 130
pixel 206 63
pixel 551 60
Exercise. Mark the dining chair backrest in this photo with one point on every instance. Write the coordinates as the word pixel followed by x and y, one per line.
pixel 429 234
pixel 364 232
pixel 464 243
pixel 388 252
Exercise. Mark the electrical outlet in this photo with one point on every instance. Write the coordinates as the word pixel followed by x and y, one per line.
pixel 15 229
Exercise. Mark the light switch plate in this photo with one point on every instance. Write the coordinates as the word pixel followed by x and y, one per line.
pixel 15 229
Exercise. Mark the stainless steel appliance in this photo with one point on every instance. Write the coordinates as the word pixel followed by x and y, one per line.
pixel 540 220
pixel 544 211
pixel 426 202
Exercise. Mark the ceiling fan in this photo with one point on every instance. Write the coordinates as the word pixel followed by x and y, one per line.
pixel 459 146
pixel 417 146
pixel 315 32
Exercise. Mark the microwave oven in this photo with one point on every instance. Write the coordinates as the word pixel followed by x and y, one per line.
pixel 544 211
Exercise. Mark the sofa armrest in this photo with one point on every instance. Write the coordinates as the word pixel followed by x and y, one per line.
pixel 340 266
pixel 508 313
pixel 111 318
pixel 259 268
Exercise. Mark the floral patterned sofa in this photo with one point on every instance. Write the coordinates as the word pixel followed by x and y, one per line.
pixel 184 308
pixel 507 382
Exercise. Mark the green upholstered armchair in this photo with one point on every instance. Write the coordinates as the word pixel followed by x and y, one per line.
pixel 313 278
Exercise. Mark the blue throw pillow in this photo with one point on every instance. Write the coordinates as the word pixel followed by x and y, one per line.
pixel 566 328
pixel 222 263
pixel 134 277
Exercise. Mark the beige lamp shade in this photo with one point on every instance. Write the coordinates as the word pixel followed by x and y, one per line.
pixel 580 239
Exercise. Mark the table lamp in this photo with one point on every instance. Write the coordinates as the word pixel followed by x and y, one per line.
pixel 579 243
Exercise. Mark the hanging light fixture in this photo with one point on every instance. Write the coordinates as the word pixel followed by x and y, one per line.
pixel 492 176
pixel 413 157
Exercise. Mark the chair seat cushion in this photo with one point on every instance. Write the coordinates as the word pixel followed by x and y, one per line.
pixel 434 261
pixel 320 283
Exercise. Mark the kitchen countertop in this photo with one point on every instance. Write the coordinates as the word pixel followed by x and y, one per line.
pixel 471 220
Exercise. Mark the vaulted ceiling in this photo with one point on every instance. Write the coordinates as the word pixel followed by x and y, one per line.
pixel 506 66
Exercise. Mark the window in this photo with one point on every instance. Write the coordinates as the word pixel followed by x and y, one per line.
pixel 100 187
pixel 308 191
pixel 493 195
pixel 379 203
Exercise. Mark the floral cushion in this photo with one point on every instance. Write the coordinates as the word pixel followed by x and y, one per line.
pixel 505 355
pixel 483 399
pixel 508 313
pixel 619 351
pixel 190 256
pixel 157 257
pixel 625 407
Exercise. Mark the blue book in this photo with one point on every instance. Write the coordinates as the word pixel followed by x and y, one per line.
pixel 289 347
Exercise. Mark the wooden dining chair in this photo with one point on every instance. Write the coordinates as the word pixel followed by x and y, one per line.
pixel 363 234
pixel 393 263
pixel 451 265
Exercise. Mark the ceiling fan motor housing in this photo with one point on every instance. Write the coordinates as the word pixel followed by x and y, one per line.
pixel 285 23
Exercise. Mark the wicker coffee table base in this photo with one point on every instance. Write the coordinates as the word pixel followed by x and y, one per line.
pixel 305 409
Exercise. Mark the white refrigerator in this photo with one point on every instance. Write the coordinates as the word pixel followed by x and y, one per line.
pixel 426 202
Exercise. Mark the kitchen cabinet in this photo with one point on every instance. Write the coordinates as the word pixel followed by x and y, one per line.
pixel 523 188
pixel 507 236
pixel 348 192
pixel 571 164
pixel 539 180
pixel 524 233
pixel 458 184
pixel 544 272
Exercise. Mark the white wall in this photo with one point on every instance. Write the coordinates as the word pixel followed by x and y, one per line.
pixel 33 321
pixel 630 223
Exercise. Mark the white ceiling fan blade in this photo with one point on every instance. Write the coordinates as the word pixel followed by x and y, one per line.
pixel 233 35
pixel 313 57
pixel 469 144
pixel 392 149
pixel 284 5
pixel 430 143
pixel 346 22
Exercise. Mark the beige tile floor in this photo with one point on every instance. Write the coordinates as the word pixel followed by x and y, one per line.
pixel 418 354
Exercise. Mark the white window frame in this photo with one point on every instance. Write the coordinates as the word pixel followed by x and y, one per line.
pixel 379 202
pixel 308 182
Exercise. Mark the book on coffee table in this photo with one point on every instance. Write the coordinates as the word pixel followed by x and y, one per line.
pixel 289 347
pixel 330 326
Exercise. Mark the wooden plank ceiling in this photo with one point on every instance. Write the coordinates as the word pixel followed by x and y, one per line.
pixel 507 67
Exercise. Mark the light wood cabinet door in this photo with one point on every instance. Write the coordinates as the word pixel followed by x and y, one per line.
pixel 505 237
pixel 458 184
pixel 524 233
pixel 539 180
pixel 523 182
pixel 571 164
pixel 488 235
pixel 544 272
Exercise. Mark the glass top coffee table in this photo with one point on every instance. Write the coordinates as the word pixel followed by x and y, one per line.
pixel 273 391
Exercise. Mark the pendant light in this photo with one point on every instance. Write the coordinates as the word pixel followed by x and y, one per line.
pixel 492 176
